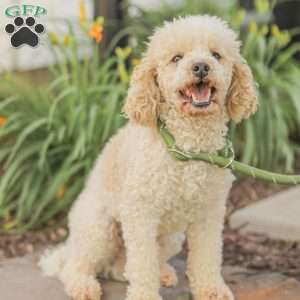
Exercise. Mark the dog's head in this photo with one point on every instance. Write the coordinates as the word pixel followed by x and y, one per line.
pixel 193 64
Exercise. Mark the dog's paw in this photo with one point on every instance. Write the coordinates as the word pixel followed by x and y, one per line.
pixel 217 293
pixel 168 276
pixel 84 288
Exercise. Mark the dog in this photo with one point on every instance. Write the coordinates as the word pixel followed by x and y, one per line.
pixel 139 203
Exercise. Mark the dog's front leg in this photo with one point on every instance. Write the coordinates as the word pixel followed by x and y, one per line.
pixel 205 252
pixel 142 267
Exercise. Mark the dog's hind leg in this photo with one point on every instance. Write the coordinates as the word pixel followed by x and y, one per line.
pixel 92 245
pixel 92 249
pixel 117 269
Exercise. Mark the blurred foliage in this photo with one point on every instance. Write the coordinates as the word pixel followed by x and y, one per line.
pixel 50 135
pixel 265 140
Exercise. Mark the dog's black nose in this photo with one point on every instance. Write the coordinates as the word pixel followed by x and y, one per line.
pixel 200 69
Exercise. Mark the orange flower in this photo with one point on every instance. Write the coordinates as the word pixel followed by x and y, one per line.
pixel 96 32
pixel 61 192
pixel 2 121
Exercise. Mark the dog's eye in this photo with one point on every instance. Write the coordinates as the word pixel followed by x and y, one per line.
pixel 177 58
pixel 216 55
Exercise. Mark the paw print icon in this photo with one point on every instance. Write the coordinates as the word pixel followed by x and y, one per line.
pixel 24 32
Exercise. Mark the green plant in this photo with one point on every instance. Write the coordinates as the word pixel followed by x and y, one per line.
pixel 51 135
pixel 264 140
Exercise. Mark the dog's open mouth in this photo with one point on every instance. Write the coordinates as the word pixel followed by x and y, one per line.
pixel 199 95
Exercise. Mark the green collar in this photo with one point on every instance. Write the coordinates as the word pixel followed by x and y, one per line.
pixel 227 152
pixel 224 159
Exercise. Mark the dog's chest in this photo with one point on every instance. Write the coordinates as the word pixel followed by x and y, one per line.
pixel 183 192
pixel 191 178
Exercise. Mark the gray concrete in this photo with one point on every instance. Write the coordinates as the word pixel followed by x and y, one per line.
pixel 277 216
pixel 21 278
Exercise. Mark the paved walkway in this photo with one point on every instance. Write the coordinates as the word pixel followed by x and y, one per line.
pixel 277 216
pixel 21 279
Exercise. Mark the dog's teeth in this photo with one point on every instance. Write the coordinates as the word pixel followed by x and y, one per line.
pixel 201 103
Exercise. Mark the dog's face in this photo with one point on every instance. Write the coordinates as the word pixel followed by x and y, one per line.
pixel 195 72
pixel 193 64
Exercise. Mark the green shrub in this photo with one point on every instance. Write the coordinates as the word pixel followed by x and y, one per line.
pixel 51 135
pixel 265 139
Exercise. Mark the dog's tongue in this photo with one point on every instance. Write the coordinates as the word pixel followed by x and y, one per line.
pixel 200 93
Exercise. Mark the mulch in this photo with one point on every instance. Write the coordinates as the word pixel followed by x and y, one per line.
pixel 254 251
pixel 260 253
pixel 29 242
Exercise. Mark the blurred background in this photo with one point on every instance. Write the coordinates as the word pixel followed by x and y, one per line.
pixel 61 101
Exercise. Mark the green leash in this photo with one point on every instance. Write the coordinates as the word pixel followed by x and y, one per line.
pixel 224 159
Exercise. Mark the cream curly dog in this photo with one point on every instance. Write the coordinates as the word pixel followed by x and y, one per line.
pixel 139 202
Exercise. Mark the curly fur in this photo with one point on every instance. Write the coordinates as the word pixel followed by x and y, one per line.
pixel 242 97
pixel 143 99
pixel 139 203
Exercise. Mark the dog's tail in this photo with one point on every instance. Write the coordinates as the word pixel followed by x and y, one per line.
pixel 53 260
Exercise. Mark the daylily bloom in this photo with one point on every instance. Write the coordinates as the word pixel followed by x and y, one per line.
pixel 96 32
pixel 61 192
pixel 275 30
pixel 135 61
pixel 282 37
pixel 53 37
pixel 264 30
pixel 252 27
pixel 82 13
pixel 2 121
pixel 238 17
pixel 68 39
pixel 262 6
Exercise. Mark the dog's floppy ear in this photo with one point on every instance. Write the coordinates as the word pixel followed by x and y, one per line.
pixel 141 105
pixel 242 97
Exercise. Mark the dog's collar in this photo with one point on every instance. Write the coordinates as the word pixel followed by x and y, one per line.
pixel 224 159
pixel 227 152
